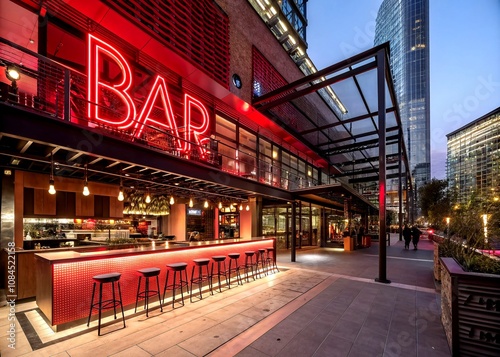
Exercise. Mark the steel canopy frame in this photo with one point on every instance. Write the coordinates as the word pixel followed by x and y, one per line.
pixel 358 144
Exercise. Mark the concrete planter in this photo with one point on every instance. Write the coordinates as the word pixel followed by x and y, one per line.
pixel 470 304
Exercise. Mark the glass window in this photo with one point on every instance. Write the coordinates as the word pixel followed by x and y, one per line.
pixel 247 139
pixel 225 128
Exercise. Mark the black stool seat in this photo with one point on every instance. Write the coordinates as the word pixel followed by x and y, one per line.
pixel 149 272
pixel 107 278
pixel 249 263
pixel 177 266
pixel 220 260
pixel 177 283
pixel 233 260
pixel 147 292
pixel 202 277
pixel 107 303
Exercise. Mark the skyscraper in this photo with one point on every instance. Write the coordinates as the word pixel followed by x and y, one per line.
pixel 405 24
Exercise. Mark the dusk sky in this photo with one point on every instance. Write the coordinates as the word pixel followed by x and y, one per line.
pixel 464 56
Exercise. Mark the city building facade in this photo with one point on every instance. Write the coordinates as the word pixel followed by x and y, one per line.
pixel 473 159
pixel 405 25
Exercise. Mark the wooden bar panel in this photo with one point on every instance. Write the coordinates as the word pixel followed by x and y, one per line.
pixel 84 205
pixel 44 281
pixel 45 203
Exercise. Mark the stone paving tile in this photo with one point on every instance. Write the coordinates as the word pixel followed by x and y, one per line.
pixel 333 346
pixel 174 351
pixel 132 351
pixel 273 342
pixel 252 352
pixel 347 329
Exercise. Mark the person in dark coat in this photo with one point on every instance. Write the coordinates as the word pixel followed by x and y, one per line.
pixel 415 236
pixel 407 236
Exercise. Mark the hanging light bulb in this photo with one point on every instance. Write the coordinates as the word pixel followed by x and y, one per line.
pixel 120 194
pixel 241 206
pixel 86 191
pixel 52 189
pixel 247 208
pixel 206 204
pixel 220 205
pixel 172 201
pixel 148 198
pixel 190 203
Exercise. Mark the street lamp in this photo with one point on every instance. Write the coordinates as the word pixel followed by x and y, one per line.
pixel 485 227
pixel 447 227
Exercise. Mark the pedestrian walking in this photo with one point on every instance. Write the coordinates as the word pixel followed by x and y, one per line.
pixel 415 236
pixel 407 236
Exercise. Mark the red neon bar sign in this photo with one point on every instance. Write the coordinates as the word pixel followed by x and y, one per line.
pixel 158 95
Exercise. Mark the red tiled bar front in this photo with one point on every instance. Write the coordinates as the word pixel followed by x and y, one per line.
pixel 64 279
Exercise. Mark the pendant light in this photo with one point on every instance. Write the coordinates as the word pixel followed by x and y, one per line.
pixel 241 206
pixel 247 208
pixel 148 197
pixel 190 203
pixel 52 189
pixel 220 204
pixel 206 204
pixel 120 194
pixel 86 191
pixel 172 201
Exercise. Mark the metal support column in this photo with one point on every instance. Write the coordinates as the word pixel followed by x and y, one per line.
pixel 400 184
pixel 294 230
pixel 381 69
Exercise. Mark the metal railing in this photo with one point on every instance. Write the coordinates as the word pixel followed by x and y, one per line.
pixel 60 92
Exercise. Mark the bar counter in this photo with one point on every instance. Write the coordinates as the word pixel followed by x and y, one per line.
pixel 64 279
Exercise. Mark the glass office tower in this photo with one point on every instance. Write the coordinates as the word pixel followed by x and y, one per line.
pixel 405 24
pixel 474 159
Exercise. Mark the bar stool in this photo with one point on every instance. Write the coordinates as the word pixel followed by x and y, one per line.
pixel 270 259
pixel 108 303
pixel 177 283
pixel 221 270
pixel 249 263
pixel 261 259
pixel 233 259
pixel 201 278
pixel 147 273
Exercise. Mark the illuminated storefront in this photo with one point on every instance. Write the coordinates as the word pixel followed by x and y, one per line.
pixel 162 108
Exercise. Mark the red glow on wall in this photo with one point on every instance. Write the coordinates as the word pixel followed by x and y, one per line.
pixel 103 91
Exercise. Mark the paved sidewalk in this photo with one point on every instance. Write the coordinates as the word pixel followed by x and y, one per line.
pixel 325 304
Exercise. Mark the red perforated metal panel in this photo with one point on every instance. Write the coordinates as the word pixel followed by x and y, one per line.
pixel 267 79
pixel 72 281
pixel 198 30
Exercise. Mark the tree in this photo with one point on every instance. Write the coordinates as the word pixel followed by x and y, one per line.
pixel 434 202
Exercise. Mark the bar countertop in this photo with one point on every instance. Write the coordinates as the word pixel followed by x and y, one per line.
pixel 162 246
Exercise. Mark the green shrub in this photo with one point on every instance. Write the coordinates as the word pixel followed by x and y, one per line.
pixel 468 257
